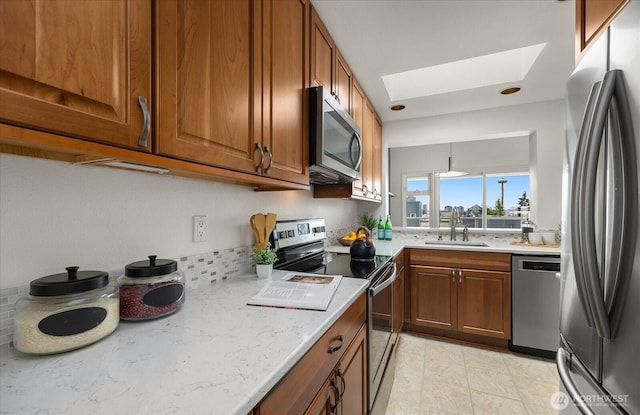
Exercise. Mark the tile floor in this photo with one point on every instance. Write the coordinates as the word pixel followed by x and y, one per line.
pixel 437 377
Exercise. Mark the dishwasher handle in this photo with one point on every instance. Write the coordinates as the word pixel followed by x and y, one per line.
pixel 539 266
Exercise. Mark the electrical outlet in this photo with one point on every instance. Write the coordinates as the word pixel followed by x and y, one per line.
pixel 199 228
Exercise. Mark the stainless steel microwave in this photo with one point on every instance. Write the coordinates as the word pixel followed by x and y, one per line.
pixel 335 141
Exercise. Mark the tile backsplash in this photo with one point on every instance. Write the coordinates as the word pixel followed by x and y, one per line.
pixel 199 270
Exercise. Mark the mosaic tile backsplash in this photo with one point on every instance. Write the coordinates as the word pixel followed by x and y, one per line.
pixel 199 270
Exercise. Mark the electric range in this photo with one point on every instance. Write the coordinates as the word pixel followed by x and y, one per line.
pixel 300 247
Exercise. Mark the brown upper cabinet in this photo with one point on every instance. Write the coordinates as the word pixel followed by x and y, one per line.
pixel 231 85
pixel 228 102
pixel 592 18
pixel 78 69
pixel 328 67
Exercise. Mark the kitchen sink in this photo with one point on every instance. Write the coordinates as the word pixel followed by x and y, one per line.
pixel 456 243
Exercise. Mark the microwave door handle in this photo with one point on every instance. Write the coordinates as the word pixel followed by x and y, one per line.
pixel 577 209
pixel 625 211
pixel 356 137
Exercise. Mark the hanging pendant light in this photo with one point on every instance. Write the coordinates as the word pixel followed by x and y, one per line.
pixel 450 172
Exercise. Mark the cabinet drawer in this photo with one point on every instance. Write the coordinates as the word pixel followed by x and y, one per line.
pixel 296 390
pixel 492 261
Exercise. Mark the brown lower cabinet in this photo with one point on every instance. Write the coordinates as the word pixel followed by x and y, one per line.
pixel 331 378
pixel 461 292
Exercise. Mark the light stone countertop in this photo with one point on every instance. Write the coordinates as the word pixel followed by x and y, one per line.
pixel 391 248
pixel 214 356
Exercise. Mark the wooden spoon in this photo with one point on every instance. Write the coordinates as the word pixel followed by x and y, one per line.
pixel 260 224
pixel 270 223
pixel 252 222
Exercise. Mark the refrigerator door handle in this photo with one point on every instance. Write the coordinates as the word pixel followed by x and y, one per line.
pixel 593 286
pixel 624 212
pixel 565 377
pixel 577 203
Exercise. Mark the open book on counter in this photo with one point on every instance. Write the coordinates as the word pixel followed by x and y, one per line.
pixel 298 290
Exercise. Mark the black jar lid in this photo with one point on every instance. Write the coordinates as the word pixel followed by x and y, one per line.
pixel 151 268
pixel 71 282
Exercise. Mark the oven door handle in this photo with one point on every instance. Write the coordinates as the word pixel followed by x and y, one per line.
pixel 375 290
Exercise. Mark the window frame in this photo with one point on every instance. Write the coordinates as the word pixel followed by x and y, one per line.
pixel 434 197
pixel 406 193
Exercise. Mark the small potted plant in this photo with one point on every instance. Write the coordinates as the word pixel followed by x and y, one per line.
pixel 368 221
pixel 265 258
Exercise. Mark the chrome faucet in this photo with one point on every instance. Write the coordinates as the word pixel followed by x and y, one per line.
pixel 455 221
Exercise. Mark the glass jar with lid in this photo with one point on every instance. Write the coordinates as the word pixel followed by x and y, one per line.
pixel 66 311
pixel 150 289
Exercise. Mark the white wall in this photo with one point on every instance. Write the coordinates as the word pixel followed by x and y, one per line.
pixel 543 122
pixel 54 214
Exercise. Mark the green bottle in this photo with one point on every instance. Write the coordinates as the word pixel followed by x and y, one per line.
pixel 381 231
pixel 388 230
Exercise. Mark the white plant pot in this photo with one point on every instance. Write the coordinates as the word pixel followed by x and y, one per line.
pixel 264 270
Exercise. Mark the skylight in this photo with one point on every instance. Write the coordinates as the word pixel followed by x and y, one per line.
pixel 493 69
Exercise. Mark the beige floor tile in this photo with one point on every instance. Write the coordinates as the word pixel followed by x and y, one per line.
pixel 445 372
pixel 536 392
pixel 540 410
pixel 411 345
pixel 444 351
pixel 538 369
pixel 400 406
pixel 486 359
pixel 487 404
pixel 489 381
pixel 440 378
pixel 452 398
pixel 434 410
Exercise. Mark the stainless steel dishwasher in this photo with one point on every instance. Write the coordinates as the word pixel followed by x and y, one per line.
pixel 535 305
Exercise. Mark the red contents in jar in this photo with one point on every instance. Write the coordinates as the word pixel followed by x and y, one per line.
pixel 147 301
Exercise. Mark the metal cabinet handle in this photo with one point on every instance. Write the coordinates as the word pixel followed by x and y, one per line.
pixel 336 392
pixel 268 150
pixel 365 190
pixel 146 117
pixel 375 193
pixel 344 384
pixel 460 276
pixel 453 275
pixel 338 347
pixel 259 166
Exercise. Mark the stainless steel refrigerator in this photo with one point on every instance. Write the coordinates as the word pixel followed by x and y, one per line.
pixel 599 355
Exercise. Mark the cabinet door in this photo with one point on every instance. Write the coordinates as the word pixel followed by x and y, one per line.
pixel 77 68
pixel 323 51
pixel 208 99
pixel 398 300
pixel 376 162
pixel 367 150
pixel 484 303
pixel 284 78
pixel 592 17
pixel 358 100
pixel 433 297
pixel 325 401
pixel 343 82
pixel 352 370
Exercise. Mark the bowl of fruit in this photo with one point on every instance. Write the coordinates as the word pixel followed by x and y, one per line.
pixel 347 239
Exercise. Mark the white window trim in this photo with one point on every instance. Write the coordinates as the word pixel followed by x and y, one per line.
pixel 434 196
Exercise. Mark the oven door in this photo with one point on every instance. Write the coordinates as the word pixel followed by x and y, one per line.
pixel 380 313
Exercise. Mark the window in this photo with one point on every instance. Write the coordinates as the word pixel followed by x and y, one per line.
pixel 485 201
pixel 416 201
